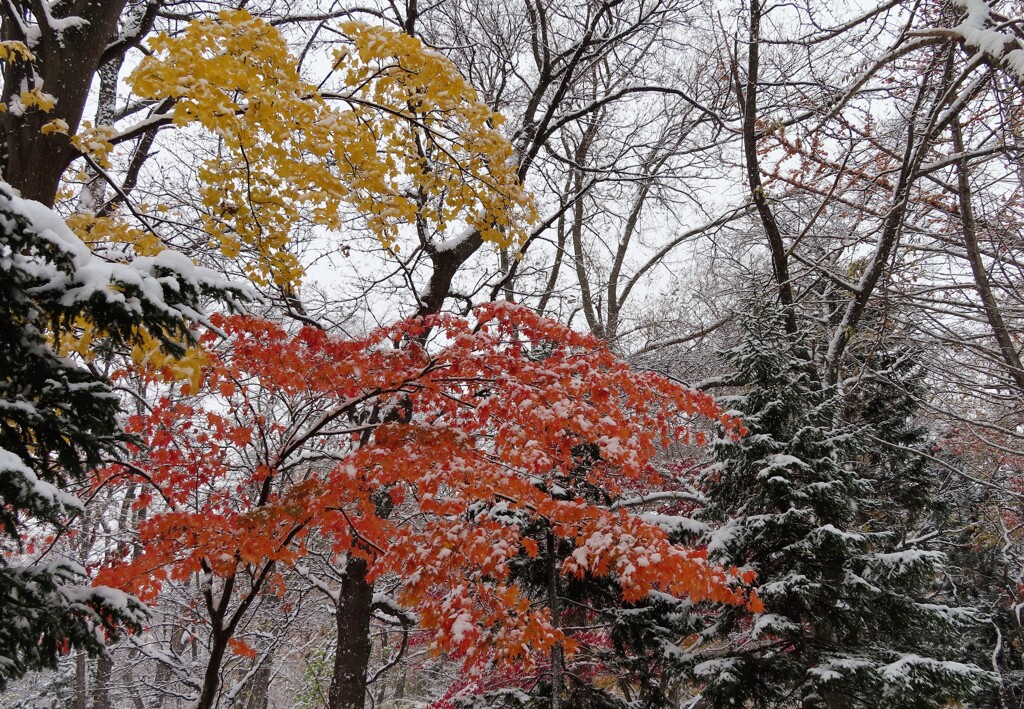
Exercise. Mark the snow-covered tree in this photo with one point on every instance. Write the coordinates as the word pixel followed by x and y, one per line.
pixel 618 657
pixel 60 416
pixel 850 614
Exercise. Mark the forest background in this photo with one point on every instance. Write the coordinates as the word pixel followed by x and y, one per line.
pixel 611 353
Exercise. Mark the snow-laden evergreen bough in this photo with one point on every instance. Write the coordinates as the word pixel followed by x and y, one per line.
pixel 59 417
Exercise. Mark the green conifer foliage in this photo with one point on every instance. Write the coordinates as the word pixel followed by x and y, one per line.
pixel 851 617
pixel 58 417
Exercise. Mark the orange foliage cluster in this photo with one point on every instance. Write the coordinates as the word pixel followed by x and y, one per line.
pixel 425 448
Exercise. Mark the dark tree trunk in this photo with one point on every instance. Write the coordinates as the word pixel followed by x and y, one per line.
pixel 751 134
pixel 101 684
pixel 224 625
pixel 982 284
pixel 256 694
pixel 211 679
pixel 134 692
pixel 400 685
pixel 81 669
pixel 348 685
pixel 66 61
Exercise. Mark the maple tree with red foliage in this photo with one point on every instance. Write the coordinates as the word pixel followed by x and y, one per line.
pixel 423 449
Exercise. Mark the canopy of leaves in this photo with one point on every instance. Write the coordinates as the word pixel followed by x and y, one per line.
pixel 401 137
pixel 429 461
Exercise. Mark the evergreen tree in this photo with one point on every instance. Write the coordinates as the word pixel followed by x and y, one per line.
pixel 848 619
pixel 59 417
pixel 919 501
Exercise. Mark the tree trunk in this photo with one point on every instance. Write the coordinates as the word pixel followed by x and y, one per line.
pixel 751 133
pixel 101 683
pixel 80 671
pixel 67 59
pixel 91 197
pixel 133 691
pixel 211 679
pixel 400 685
pixel 348 685
pixel 256 694
pixel 982 284
pixel 556 650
